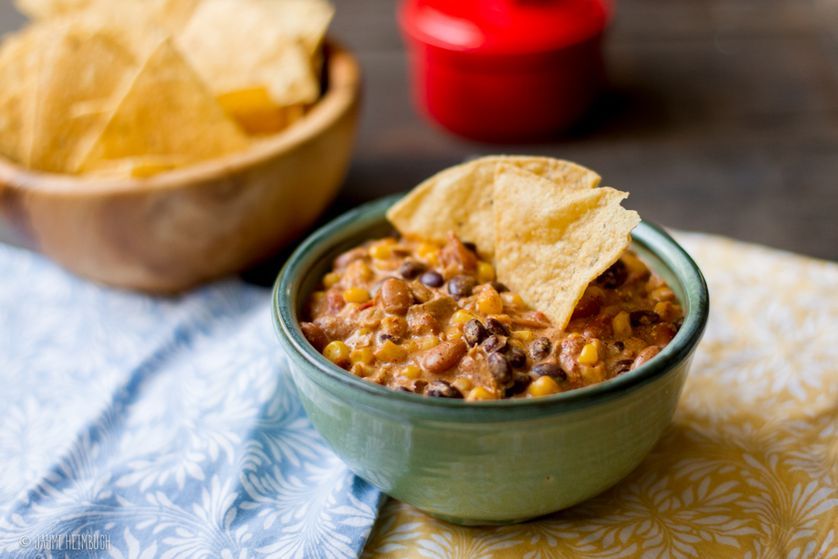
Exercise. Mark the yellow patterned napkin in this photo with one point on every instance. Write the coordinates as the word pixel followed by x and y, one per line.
pixel 750 465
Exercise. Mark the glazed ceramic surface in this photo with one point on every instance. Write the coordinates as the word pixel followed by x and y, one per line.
pixel 488 462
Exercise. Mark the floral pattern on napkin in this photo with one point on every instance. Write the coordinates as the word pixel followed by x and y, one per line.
pixel 146 427
pixel 748 468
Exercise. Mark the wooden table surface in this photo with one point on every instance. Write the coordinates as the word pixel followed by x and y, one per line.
pixel 721 116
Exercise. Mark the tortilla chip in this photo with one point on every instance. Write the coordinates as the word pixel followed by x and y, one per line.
pixel 42 9
pixel 256 112
pixel 551 243
pixel 166 111
pixel 173 14
pixel 459 199
pixel 137 167
pixel 242 44
pixel 20 61
pixel 83 66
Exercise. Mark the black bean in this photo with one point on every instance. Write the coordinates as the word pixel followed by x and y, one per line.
pixel 499 287
pixel 619 346
pixel 442 389
pixel 520 382
pixel 494 343
pixel 517 358
pixel 643 318
pixel 499 368
pixel 474 332
pixel 550 370
pixel 471 246
pixel 461 286
pixel 404 389
pixel 496 327
pixel 410 269
pixel 615 276
pixel 540 348
pixel 432 279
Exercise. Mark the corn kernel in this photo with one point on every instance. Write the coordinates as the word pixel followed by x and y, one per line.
pixel 485 272
pixel 336 352
pixel 411 372
pixel 621 325
pixel 361 370
pixel 362 355
pixel 330 279
pixel 480 393
pixel 381 251
pixel 489 302
pixel 453 332
pixel 363 331
pixel 512 299
pixel 462 384
pixel 429 253
pixel 461 316
pixel 523 335
pixel 543 386
pixel 390 352
pixel 427 342
pixel 589 354
pixel 356 295
pixel 592 375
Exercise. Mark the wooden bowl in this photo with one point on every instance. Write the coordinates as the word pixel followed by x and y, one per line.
pixel 170 232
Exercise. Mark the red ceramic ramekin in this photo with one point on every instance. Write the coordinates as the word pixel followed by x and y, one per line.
pixel 505 70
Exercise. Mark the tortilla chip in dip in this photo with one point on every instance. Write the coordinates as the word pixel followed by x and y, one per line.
pixel 551 243
pixel 459 199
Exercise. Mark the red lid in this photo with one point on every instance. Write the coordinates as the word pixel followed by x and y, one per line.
pixel 504 26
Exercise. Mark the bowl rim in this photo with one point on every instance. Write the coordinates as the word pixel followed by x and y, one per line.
pixel 355 221
pixel 343 90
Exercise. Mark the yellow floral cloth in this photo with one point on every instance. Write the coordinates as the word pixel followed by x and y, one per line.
pixel 750 464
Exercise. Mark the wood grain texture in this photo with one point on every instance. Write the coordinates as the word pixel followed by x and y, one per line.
pixel 721 116
pixel 172 231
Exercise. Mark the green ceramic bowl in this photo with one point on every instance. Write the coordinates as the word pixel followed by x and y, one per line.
pixel 486 462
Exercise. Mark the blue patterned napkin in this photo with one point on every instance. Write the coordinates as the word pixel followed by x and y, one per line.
pixel 137 427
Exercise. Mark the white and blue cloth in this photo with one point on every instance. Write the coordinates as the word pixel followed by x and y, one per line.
pixel 140 427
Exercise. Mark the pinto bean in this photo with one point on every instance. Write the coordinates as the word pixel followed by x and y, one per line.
pixel 315 335
pixel 570 349
pixel 444 356
pixel 395 296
